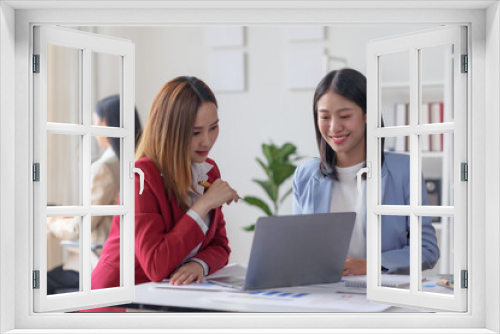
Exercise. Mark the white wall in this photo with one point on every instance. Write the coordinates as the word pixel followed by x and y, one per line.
pixel 7 166
pixel 265 111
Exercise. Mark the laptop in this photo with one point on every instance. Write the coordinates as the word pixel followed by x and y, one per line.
pixel 295 250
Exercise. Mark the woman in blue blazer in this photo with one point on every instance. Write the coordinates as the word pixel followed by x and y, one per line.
pixel 328 183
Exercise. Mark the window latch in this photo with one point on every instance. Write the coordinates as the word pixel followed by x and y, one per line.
pixel 138 171
pixel 368 171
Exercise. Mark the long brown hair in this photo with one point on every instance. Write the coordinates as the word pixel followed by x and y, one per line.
pixel 167 136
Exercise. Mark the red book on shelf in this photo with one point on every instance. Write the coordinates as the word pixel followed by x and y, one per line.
pixel 425 139
pixel 436 116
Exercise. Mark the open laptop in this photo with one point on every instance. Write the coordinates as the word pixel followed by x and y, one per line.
pixel 295 250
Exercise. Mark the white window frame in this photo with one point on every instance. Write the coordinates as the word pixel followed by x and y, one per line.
pixel 86 44
pixel 413 43
pixel 485 196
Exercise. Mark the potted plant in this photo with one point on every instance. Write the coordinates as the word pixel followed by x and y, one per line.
pixel 279 166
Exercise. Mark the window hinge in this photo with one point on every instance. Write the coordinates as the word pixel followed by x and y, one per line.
pixel 465 64
pixel 36 279
pixel 36 172
pixel 464 168
pixel 36 63
pixel 465 279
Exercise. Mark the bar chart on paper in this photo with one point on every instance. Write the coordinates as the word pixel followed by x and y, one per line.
pixel 315 300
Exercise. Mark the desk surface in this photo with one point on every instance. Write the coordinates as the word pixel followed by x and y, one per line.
pixel 207 297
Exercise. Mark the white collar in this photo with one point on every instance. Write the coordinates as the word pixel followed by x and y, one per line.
pixel 348 174
pixel 199 173
pixel 109 152
pixel 351 169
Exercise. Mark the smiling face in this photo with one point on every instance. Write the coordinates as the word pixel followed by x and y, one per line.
pixel 205 132
pixel 341 123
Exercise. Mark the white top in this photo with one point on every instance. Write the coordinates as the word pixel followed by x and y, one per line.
pixel 345 198
pixel 199 173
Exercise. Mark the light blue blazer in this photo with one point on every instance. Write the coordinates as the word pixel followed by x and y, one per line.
pixel 312 193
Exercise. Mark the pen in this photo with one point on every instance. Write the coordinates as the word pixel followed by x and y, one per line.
pixel 204 184
pixel 207 185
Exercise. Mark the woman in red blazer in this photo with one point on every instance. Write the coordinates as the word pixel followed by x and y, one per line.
pixel 179 227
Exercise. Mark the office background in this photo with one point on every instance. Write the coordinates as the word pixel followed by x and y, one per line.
pixel 267 107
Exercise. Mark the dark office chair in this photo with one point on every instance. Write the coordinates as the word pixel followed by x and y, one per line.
pixel 75 244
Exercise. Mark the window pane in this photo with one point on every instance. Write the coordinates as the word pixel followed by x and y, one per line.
pixel 105 171
pixel 108 276
pixel 437 168
pixel 63 254
pixel 439 279
pixel 433 187
pixel 395 238
pixel 106 83
pixel 64 170
pixel 399 159
pixel 436 84
pixel 400 144
pixel 432 168
pixel 395 88
pixel 100 227
pixel 63 85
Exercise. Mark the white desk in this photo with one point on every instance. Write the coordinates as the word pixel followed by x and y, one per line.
pixel 321 298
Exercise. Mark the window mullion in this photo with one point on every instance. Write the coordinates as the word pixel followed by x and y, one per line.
pixel 460 103
pixel 76 129
pixel 373 187
pixel 104 131
pixel 128 262
pixel 423 210
pixel 86 162
pixel 414 168
pixel 422 129
pixel 40 155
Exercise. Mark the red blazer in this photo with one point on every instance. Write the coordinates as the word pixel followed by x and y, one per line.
pixel 164 235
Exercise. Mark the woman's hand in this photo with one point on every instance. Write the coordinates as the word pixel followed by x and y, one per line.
pixel 187 273
pixel 219 193
pixel 354 266
pixel 50 220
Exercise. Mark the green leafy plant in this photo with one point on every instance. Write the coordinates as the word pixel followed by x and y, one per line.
pixel 279 167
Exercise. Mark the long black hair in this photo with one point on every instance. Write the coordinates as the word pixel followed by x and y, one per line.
pixel 108 109
pixel 350 84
